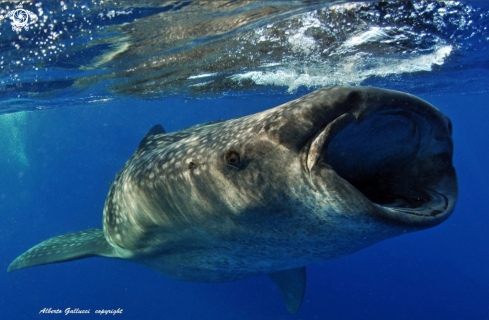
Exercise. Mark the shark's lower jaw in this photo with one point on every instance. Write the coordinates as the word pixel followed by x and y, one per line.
pixel 401 161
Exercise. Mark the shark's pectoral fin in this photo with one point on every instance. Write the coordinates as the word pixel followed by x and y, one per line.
pixel 71 246
pixel 292 285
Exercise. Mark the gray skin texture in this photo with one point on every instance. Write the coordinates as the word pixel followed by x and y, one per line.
pixel 317 178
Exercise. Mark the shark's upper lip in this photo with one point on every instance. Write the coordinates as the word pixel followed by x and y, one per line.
pixel 399 158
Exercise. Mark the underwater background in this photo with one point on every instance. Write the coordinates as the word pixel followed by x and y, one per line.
pixel 85 81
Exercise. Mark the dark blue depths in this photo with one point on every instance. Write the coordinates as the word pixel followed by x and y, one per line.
pixel 72 154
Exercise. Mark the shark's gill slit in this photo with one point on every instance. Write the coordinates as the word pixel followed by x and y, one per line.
pixel 391 157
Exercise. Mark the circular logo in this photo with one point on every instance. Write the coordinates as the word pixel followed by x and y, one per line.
pixel 21 18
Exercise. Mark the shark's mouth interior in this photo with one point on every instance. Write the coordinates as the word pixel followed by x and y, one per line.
pixel 395 158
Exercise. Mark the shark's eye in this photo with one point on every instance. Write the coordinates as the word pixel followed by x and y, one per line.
pixel 192 165
pixel 232 158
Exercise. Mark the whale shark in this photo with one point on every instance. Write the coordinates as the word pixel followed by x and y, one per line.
pixel 317 178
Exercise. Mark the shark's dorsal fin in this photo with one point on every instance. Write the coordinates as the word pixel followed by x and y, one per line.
pixel 292 286
pixel 155 130
pixel 71 246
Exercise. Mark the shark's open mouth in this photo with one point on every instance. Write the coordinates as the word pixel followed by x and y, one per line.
pixel 398 159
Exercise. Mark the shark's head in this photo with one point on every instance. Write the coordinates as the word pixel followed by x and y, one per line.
pixel 379 152
pixel 331 172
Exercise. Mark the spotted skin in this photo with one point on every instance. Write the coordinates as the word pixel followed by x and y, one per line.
pixel 71 246
pixel 275 191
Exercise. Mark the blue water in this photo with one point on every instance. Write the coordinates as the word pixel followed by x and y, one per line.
pixel 73 153
pixel 60 149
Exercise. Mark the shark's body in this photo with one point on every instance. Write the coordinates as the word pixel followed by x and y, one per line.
pixel 314 179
